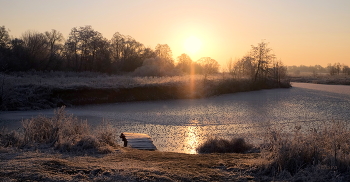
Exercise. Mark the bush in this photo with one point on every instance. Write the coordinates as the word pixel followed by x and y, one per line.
pixel 9 139
pixel 106 134
pixel 325 149
pixel 63 132
pixel 219 145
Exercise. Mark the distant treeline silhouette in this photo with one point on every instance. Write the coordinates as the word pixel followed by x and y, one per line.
pixel 87 50
pixel 332 69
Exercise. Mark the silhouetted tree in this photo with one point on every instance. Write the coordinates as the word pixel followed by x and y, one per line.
pixel 54 40
pixel 4 37
pixel 156 67
pixel 334 69
pixel 278 71
pixel 208 66
pixel 164 52
pixel 86 47
pixel 127 53
pixel 244 68
pixel 346 69
pixel 148 53
pixel 4 48
pixel 184 63
pixel 36 45
pixel 17 56
pixel 262 57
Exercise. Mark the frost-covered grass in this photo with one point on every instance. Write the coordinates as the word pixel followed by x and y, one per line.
pixel 44 90
pixel 63 148
pixel 93 80
pixel 314 152
pixel 34 90
pixel 309 153
pixel 319 152
pixel 341 79
pixel 220 145
pixel 62 132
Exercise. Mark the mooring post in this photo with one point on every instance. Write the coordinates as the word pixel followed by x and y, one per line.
pixel 122 136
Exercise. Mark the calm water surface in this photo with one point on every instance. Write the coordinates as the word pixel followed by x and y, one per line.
pixel 181 125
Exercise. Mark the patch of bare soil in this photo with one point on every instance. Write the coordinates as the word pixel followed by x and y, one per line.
pixel 125 164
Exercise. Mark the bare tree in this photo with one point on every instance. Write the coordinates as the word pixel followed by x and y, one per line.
pixel 83 45
pixel 36 45
pixel 127 53
pixel 4 37
pixel 208 65
pixel 184 63
pixel 346 69
pixel 230 67
pixel 262 57
pixel 278 71
pixel 54 40
pixel 163 51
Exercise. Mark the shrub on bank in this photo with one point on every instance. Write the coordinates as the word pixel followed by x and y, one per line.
pixel 63 132
pixel 220 145
pixel 38 90
pixel 323 150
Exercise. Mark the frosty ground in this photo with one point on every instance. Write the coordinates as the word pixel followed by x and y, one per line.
pixel 126 164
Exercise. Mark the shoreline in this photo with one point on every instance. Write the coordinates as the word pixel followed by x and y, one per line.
pixel 41 93
pixel 322 79
pixel 127 164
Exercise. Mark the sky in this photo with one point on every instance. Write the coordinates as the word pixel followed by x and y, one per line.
pixel 300 32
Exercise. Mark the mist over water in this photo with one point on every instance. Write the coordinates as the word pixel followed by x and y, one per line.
pixel 181 125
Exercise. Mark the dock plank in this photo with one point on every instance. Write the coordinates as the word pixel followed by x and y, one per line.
pixel 140 141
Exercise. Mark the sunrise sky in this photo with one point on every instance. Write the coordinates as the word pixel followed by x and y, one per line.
pixel 307 32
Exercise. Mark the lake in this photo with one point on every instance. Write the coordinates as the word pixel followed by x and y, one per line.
pixel 181 125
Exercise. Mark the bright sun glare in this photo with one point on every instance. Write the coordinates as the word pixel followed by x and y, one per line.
pixel 192 45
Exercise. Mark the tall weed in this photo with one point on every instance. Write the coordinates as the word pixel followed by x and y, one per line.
pixel 324 147
pixel 65 133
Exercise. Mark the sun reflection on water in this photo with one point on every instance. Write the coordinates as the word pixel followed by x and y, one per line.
pixel 193 139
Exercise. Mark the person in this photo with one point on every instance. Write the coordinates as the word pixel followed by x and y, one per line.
pixel 122 136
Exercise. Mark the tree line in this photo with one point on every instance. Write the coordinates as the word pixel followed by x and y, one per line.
pixel 86 49
pixel 331 69
pixel 259 65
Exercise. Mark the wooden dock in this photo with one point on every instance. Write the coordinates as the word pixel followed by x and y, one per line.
pixel 139 141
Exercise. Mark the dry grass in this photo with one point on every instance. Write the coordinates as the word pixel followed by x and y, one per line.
pixel 64 148
pixel 44 90
pixel 66 80
pixel 322 79
pixel 220 145
pixel 319 153
pixel 126 165
pixel 63 132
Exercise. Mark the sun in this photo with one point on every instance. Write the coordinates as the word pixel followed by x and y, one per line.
pixel 192 45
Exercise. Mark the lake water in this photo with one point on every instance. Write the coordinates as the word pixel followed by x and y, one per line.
pixel 181 125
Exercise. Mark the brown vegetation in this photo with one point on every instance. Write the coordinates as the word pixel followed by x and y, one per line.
pixel 37 90
pixel 322 79
pixel 63 148
pixel 220 145
pixel 62 132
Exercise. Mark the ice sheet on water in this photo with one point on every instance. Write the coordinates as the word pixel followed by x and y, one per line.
pixel 181 125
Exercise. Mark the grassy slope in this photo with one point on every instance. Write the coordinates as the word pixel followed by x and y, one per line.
pixel 125 165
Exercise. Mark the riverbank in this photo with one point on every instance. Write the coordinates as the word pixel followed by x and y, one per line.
pixel 322 79
pixel 33 91
pixel 63 148
pixel 126 164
